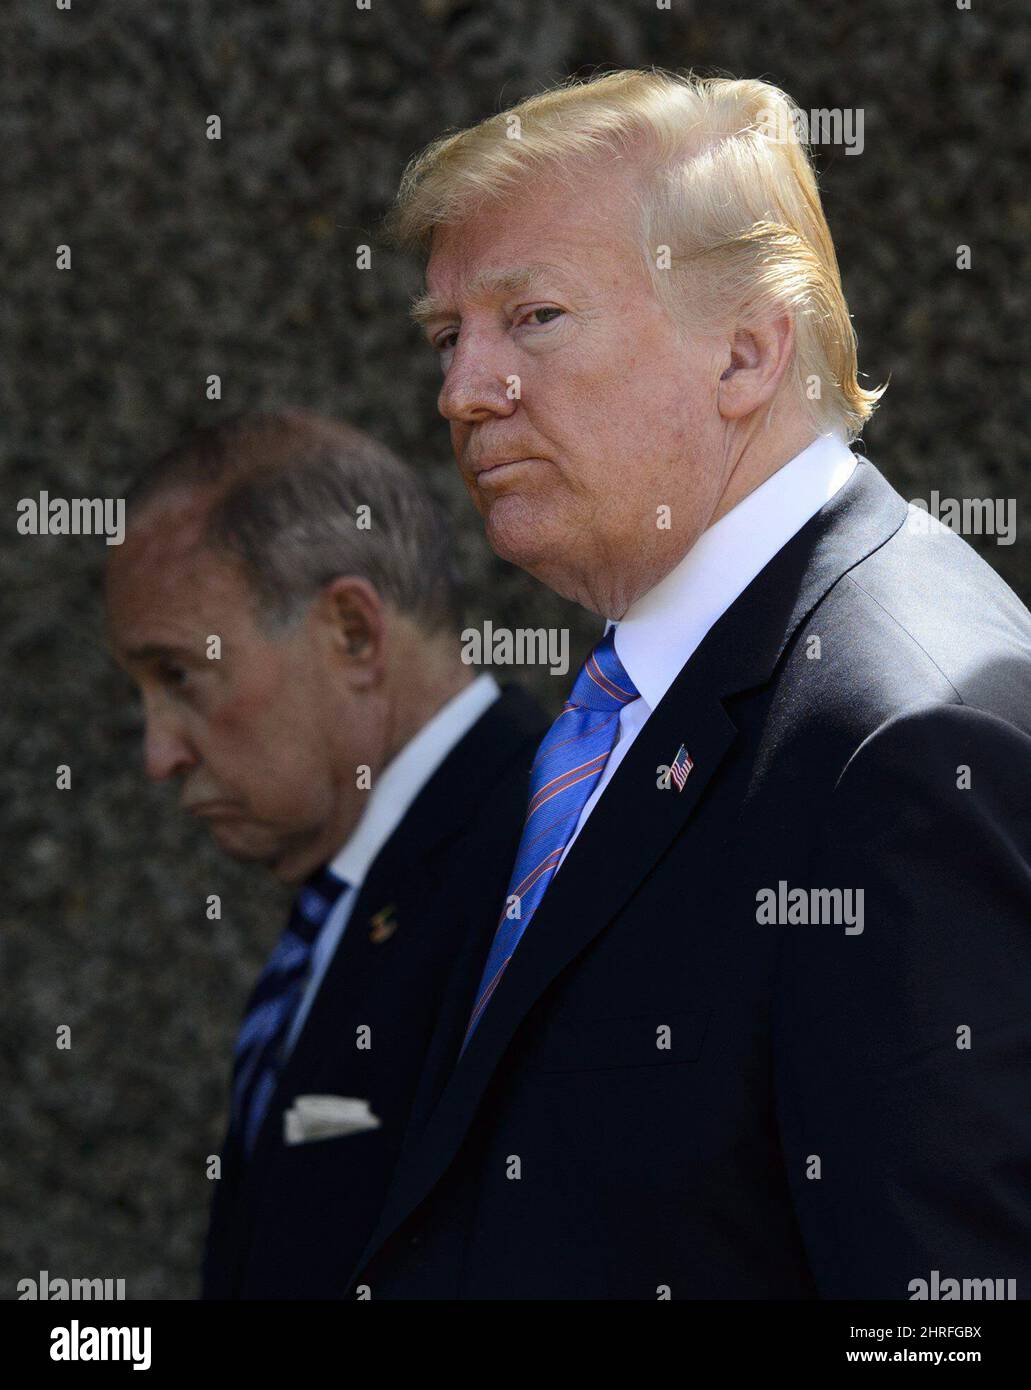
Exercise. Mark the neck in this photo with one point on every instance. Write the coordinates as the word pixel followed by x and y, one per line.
pixel 754 456
pixel 425 674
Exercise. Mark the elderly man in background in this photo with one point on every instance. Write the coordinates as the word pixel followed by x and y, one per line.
pixel 285 601
pixel 756 1016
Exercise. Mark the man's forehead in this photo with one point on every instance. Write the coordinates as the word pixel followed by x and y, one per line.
pixel 164 571
pixel 171 522
pixel 554 224
pixel 523 229
pixel 160 614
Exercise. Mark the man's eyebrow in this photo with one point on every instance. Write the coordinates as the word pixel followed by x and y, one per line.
pixel 486 285
pixel 156 651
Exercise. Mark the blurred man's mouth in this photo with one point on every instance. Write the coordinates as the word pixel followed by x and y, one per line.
pixel 211 810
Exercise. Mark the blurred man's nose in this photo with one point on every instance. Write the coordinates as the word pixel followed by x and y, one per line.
pixel 479 380
pixel 166 749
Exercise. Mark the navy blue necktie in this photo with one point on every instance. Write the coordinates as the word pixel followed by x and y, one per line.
pixel 569 762
pixel 272 1005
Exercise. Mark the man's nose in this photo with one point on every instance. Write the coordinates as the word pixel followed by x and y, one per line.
pixel 478 380
pixel 166 749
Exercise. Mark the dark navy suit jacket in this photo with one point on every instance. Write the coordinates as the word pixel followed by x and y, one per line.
pixel 837 1113
pixel 291 1222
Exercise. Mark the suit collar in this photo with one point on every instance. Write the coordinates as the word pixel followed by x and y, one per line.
pixel 743 649
pixel 661 631
pixel 740 652
pixel 455 792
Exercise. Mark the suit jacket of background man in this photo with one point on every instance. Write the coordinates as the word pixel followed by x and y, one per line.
pixel 292 1222
pixel 818 1126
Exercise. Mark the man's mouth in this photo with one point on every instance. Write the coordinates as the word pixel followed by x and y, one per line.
pixel 488 471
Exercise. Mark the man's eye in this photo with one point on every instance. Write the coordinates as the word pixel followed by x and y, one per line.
pixel 446 341
pixel 546 310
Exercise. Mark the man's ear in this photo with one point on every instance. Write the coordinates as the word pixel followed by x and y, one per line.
pixel 355 618
pixel 754 364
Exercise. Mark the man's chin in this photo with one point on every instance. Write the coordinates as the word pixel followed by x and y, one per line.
pixel 517 531
pixel 244 844
pixel 290 863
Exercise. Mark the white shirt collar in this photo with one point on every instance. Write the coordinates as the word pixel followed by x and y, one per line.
pixel 662 629
pixel 404 777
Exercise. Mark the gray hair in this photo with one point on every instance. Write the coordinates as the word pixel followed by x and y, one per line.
pixel 287 488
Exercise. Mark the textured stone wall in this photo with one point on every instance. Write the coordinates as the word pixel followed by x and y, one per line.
pixel 236 257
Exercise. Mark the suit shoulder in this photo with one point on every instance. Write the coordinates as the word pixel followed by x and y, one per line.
pixel 925 618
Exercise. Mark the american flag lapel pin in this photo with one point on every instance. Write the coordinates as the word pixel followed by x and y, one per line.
pixel 680 767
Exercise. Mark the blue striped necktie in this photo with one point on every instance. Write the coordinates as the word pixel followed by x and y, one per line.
pixel 273 1003
pixel 569 762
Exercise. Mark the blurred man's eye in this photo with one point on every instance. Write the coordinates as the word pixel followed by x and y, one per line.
pixel 171 675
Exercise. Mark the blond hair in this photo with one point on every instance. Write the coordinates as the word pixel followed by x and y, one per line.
pixel 731 220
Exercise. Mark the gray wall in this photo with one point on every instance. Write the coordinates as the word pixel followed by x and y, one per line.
pixel 192 257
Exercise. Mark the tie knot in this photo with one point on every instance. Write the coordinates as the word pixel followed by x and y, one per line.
pixel 315 900
pixel 603 683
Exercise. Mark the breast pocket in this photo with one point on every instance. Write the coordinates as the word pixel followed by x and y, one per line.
pixel 653 1039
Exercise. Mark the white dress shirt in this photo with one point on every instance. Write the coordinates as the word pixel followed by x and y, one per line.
pixel 662 629
pixel 395 789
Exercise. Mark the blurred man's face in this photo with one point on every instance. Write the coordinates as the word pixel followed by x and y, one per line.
pixel 263 741
pixel 575 410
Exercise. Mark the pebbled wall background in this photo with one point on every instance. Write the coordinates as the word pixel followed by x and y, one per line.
pixel 237 257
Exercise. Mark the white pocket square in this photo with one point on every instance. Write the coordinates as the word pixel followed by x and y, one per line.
pixel 326 1117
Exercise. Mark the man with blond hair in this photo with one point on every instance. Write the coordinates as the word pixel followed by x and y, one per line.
pixel 756 1015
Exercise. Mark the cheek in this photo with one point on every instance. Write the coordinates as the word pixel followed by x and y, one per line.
pixel 285 784
pixel 263 745
pixel 594 408
pixel 616 412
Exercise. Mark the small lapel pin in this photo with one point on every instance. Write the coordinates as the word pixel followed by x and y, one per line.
pixel 384 925
pixel 680 767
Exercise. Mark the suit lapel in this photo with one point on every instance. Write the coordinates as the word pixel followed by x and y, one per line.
pixel 439 812
pixel 580 901
pixel 634 823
